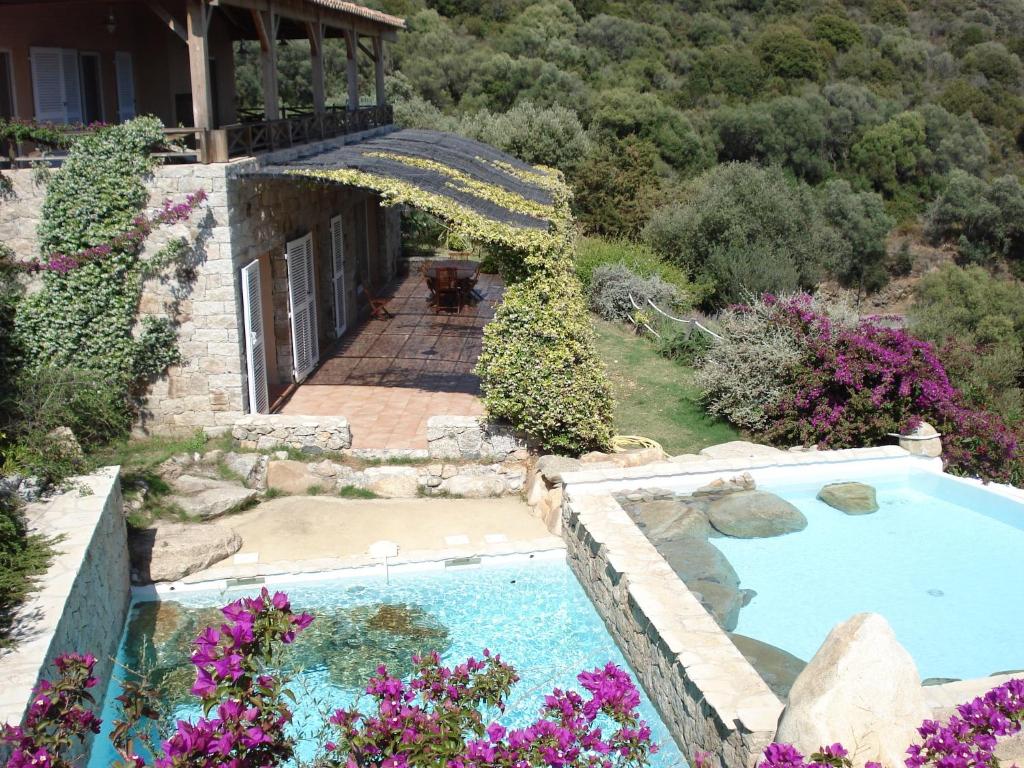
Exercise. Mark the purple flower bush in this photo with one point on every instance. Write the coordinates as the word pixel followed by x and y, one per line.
pixel 437 718
pixel 130 240
pixel 854 384
pixel 968 740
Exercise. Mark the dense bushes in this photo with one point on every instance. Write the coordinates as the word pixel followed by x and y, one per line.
pixel 539 370
pixel 614 288
pixel 986 219
pixel 23 557
pixel 840 383
pixel 594 252
pixel 745 228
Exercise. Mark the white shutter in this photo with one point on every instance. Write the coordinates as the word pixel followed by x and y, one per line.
pixel 72 87
pixel 255 352
pixel 125 85
pixel 338 263
pixel 48 84
pixel 303 306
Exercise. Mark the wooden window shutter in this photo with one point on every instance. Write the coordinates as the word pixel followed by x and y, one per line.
pixel 255 351
pixel 301 292
pixel 125 85
pixel 48 85
pixel 338 263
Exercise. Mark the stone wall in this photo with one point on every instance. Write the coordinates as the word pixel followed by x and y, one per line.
pixel 309 434
pixel 708 695
pixel 243 219
pixel 83 600
pixel 453 479
pixel 470 437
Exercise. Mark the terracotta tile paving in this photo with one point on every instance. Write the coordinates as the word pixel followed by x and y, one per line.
pixel 389 376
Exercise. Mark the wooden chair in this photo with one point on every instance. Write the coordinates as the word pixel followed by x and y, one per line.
pixel 378 307
pixel 447 286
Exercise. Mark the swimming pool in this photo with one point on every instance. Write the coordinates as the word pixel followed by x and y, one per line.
pixel 532 611
pixel 940 560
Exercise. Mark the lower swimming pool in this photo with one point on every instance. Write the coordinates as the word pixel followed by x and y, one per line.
pixel 532 611
pixel 940 560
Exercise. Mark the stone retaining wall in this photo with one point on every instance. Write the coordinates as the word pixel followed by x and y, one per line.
pixel 309 434
pixel 708 695
pixel 83 600
pixel 469 480
pixel 470 437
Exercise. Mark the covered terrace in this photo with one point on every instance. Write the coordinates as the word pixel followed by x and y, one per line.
pixel 390 372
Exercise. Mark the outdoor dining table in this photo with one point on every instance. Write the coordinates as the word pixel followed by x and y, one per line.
pixel 465 271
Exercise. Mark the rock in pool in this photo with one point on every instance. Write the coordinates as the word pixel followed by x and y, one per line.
pixel 851 498
pixel 755 514
pixel 778 668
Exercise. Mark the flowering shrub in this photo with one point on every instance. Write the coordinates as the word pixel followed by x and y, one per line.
pixel 849 384
pixel 967 740
pixel 436 718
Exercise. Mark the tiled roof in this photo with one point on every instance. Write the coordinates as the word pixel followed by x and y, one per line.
pixel 361 10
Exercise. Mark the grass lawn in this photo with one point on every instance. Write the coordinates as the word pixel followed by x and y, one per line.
pixel 655 397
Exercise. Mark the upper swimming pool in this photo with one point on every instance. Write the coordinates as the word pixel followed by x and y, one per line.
pixel 940 560
pixel 531 611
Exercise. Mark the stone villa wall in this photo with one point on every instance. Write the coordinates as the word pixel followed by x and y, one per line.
pixel 708 695
pixel 310 434
pixel 83 600
pixel 243 219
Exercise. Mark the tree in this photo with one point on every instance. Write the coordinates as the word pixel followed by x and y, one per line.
pixel 787 53
pixel 747 230
pixel 893 154
pixel 838 31
pixel 616 187
pixel 551 136
pixel 860 220
pixel 983 218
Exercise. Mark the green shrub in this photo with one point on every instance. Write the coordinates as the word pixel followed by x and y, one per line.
pixel 838 31
pixel 686 346
pixel 746 229
pixel 787 53
pixel 23 558
pixel 893 154
pixel 614 285
pixel 593 252
pixel 100 187
pixel 539 370
pixel 888 12
pixel 861 223
pixel 982 218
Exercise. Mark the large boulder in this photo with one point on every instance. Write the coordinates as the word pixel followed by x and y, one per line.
pixel 851 498
pixel 204 498
pixel 755 514
pixel 392 482
pixel 290 476
pixel 666 519
pixel 861 689
pixel 475 486
pixel 721 601
pixel 172 551
pixel 246 466
pixel 778 668
pixel 699 560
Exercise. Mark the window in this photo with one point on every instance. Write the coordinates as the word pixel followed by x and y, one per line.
pixel 92 88
pixel 6 85
pixel 56 85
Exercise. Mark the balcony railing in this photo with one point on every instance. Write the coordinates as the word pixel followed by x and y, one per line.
pixel 190 145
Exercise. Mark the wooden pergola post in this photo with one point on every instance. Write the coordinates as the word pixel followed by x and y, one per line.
pixel 315 30
pixel 197 35
pixel 352 48
pixel 266 27
pixel 378 68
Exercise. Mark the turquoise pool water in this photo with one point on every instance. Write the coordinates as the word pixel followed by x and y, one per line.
pixel 534 613
pixel 940 560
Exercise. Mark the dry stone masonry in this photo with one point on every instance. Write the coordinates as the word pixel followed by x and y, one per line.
pixel 470 437
pixel 309 434
pixel 708 694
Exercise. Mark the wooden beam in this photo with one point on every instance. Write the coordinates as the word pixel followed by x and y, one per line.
pixel 198 24
pixel 316 53
pixel 365 50
pixel 267 29
pixel 261 31
pixel 298 10
pixel 172 23
pixel 378 68
pixel 353 68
